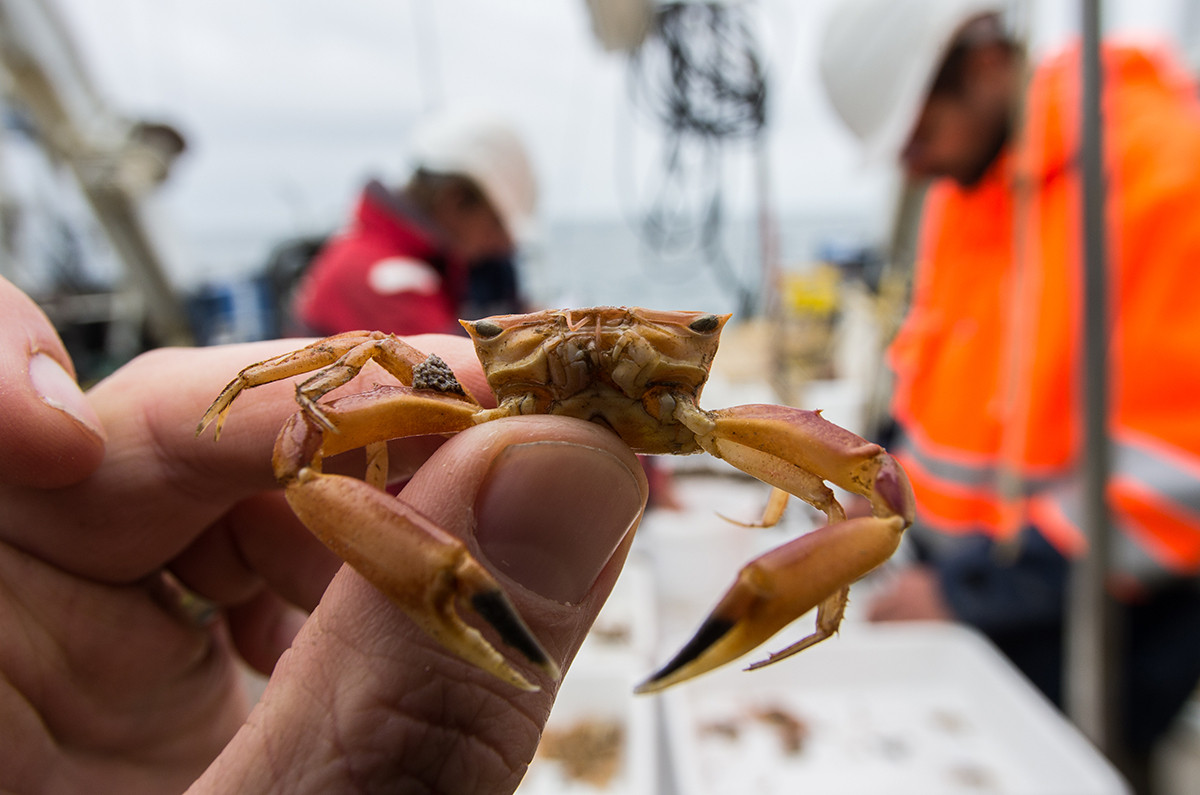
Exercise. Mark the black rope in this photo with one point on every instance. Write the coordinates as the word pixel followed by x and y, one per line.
pixel 700 77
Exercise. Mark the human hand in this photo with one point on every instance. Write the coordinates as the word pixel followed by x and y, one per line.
pixel 106 687
pixel 913 594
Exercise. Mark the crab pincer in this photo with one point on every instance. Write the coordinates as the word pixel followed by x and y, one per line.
pixel 420 567
pixel 796 451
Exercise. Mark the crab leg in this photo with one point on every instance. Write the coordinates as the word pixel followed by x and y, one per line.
pixel 772 513
pixel 796 451
pixel 362 420
pixel 412 561
pixel 338 359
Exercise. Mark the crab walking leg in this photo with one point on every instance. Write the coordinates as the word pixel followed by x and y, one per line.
pixel 406 363
pixel 417 565
pixel 772 513
pixel 796 451
pixel 829 618
pixel 312 357
pixel 338 359
pixel 377 465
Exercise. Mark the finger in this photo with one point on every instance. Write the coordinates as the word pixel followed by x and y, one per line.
pixel 159 397
pixel 110 675
pixel 264 569
pixel 370 701
pixel 159 486
pixel 49 434
pixel 259 544
pixel 263 628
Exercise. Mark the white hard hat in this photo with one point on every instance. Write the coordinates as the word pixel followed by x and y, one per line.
pixel 483 147
pixel 879 58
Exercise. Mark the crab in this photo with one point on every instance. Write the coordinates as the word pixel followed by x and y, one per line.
pixel 638 372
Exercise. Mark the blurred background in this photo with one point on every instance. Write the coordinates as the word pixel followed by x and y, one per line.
pixel 169 169
pixel 269 119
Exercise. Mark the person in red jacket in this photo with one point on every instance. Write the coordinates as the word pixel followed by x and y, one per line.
pixel 987 400
pixel 403 264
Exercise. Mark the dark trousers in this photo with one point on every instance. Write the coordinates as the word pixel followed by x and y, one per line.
pixel 1017 597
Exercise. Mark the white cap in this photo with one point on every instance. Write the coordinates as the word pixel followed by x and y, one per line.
pixel 879 58
pixel 486 149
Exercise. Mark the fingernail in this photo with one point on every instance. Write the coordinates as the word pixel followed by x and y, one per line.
pixel 58 389
pixel 551 514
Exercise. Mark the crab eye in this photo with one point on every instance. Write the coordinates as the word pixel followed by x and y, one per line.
pixel 704 324
pixel 488 329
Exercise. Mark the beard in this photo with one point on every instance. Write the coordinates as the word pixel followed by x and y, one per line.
pixel 994 142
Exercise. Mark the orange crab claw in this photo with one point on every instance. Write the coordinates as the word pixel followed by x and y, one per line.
pixel 773 590
pixel 796 451
pixel 420 567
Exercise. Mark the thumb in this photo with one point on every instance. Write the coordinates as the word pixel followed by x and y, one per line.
pixel 365 701
pixel 50 435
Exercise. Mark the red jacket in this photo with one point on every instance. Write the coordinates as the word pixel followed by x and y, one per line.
pixel 988 361
pixel 387 272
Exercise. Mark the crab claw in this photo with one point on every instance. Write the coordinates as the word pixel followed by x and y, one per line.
pixel 419 566
pixel 796 451
pixel 771 591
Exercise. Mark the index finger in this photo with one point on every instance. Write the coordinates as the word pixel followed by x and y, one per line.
pixel 159 486
pixel 49 435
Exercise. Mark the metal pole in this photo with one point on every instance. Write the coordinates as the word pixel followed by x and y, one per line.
pixel 768 233
pixel 1091 664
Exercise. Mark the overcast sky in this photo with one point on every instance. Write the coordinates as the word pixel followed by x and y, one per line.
pixel 288 105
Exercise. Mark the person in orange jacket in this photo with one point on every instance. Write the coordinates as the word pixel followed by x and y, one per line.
pixel 987 398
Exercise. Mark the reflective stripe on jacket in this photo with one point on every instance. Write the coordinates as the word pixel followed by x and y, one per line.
pixel 987 361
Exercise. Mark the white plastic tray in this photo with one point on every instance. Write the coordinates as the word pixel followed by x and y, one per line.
pixel 593 701
pixel 626 629
pixel 596 697
pixel 915 708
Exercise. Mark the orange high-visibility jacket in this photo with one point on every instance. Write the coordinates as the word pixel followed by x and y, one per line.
pixel 988 362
